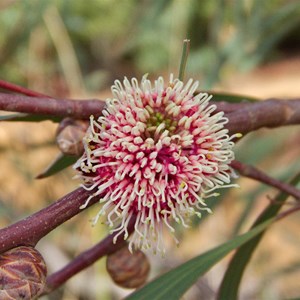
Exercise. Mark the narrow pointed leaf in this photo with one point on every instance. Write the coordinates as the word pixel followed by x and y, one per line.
pixel 173 284
pixel 29 118
pixel 233 276
pixel 231 98
pixel 61 162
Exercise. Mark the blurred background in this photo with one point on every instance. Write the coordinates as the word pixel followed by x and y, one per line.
pixel 76 49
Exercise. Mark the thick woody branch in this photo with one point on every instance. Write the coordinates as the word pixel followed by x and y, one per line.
pixel 243 117
pixel 85 259
pixel 81 109
pixel 31 229
pixel 77 109
pixel 269 113
pixel 251 172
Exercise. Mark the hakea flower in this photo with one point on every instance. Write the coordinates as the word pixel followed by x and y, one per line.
pixel 156 153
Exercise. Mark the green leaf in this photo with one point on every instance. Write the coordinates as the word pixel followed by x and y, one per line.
pixel 233 276
pixel 173 284
pixel 61 162
pixel 29 118
pixel 231 98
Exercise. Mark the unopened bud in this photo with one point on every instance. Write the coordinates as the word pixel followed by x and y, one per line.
pixel 69 136
pixel 22 274
pixel 128 270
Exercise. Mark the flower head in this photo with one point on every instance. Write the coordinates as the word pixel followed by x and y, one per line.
pixel 155 155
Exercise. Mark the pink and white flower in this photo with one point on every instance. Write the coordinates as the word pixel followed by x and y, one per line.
pixel 155 155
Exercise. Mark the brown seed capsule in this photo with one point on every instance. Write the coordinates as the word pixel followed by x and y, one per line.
pixel 22 274
pixel 129 270
pixel 69 136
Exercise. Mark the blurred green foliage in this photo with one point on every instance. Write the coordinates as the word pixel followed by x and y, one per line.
pixel 115 38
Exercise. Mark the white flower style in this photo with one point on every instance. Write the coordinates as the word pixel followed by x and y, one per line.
pixel 154 156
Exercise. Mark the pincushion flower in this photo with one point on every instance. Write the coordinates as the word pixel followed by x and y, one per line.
pixel 154 155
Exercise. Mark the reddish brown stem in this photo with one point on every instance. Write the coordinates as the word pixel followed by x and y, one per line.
pixel 85 259
pixel 77 109
pixel 288 212
pixel 258 175
pixel 19 89
pixel 268 113
pixel 243 118
pixel 31 229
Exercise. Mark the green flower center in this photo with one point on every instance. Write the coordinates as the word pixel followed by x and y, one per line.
pixel 157 118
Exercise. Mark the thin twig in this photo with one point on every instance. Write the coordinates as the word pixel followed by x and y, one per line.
pixel 30 230
pixel 19 89
pixel 288 212
pixel 85 259
pixel 252 172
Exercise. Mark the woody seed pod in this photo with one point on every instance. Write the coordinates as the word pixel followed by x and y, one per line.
pixel 128 270
pixel 69 136
pixel 22 274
